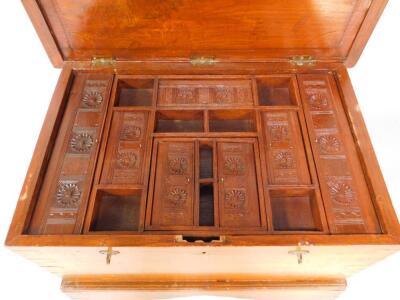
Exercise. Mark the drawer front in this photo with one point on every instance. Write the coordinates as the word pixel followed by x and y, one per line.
pixel 287 162
pixel 126 147
pixel 66 185
pixel 205 92
pixel 345 192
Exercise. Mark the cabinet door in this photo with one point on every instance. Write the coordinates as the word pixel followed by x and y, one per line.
pixel 124 157
pixel 238 195
pixel 174 184
pixel 286 158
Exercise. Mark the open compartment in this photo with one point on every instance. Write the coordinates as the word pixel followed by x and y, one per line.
pixel 206 205
pixel 116 210
pixel 274 91
pixel 232 121
pixel 179 121
pixel 295 210
pixel 206 161
pixel 135 92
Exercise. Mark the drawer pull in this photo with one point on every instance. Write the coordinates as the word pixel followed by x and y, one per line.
pixel 299 252
pixel 109 253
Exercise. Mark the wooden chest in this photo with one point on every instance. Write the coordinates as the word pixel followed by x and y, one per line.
pixel 204 147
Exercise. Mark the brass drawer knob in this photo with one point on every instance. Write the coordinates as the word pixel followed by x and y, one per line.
pixel 109 253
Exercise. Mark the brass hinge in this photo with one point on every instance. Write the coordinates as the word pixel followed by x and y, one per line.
pixel 303 60
pixel 103 61
pixel 202 60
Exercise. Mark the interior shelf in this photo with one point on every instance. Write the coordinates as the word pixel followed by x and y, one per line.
pixel 135 92
pixel 179 121
pixel 295 210
pixel 232 121
pixel 273 91
pixel 116 210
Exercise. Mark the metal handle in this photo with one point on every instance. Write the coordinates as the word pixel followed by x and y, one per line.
pixel 109 253
pixel 299 252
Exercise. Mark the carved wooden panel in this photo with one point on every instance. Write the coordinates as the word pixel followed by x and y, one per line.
pixel 286 158
pixel 126 147
pixel 64 193
pixel 205 92
pixel 238 195
pixel 174 184
pixel 347 200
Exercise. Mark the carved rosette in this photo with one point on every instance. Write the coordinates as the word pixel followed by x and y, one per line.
pixel 235 198
pixel 340 191
pixel 127 160
pixel 177 165
pixel 329 144
pixel 68 195
pixel 130 132
pixel 318 99
pixel 233 165
pixel 279 133
pixel 92 99
pixel 284 160
pixel 177 197
pixel 82 142
pixel 223 95
pixel 185 95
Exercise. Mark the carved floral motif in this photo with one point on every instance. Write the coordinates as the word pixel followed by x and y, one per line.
pixel 318 99
pixel 223 95
pixel 329 144
pixel 130 132
pixel 68 195
pixel 233 165
pixel 92 99
pixel 177 197
pixel 186 95
pixel 127 160
pixel 177 165
pixel 284 160
pixel 341 192
pixel 81 142
pixel 235 198
pixel 279 133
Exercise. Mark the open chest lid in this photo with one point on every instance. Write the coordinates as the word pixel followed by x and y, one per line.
pixel 207 30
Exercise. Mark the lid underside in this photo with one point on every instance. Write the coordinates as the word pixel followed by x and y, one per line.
pixel 238 30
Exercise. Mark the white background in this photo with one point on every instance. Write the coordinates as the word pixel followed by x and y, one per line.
pixel 27 81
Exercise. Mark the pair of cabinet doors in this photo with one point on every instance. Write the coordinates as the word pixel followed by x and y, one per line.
pixel 200 183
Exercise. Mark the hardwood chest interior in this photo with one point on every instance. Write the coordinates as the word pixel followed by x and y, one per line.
pixel 154 173
pixel 203 156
